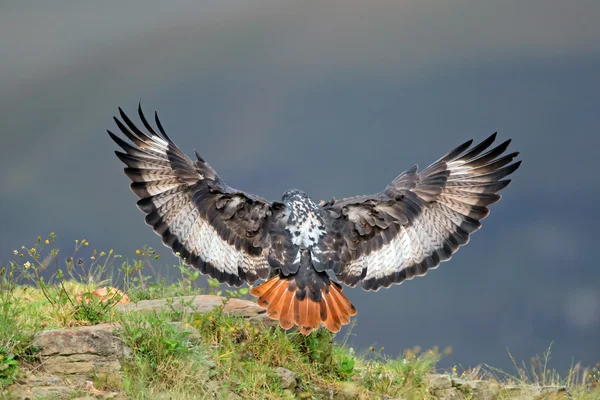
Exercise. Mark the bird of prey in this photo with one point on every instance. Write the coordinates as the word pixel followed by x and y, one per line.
pixel 303 249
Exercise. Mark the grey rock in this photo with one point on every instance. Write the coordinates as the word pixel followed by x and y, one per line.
pixel 201 304
pixel 77 353
pixel 521 392
pixel 449 394
pixel 549 390
pixel 457 382
pixel 321 393
pixel 287 378
pixel 45 392
pixel 482 390
pixel 439 382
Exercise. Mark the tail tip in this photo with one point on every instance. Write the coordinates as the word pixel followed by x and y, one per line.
pixel 333 310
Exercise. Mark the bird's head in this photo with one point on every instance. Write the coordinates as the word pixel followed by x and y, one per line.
pixel 293 194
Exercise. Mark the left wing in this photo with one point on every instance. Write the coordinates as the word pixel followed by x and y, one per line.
pixel 418 221
pixel 219 230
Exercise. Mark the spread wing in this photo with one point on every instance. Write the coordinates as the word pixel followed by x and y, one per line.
pixel 418 221
pixel 219 230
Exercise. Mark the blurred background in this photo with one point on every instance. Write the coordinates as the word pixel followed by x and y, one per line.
pixel 335 98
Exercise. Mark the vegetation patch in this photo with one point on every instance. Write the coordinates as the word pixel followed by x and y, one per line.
pixel 177 353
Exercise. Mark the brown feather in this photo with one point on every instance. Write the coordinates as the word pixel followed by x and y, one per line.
pixel 335 308
pixel 263 287
pixel 269 296
pixel 346 308
pixel 279 297
pixel 286 318
pixel 302 316
pixel 313 314
pixel 332 322
pixel 274 310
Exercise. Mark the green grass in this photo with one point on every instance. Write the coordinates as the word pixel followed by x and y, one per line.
pixel 229 357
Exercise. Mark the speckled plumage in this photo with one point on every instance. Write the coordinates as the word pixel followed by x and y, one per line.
pixel 419 220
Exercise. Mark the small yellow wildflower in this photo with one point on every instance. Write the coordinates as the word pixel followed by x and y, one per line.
pixel 21 255
pixel 231 329
pixel 47 241
pixel 111 251
pixel 138 252
pixel 15 252
pixel 27 265
pixel 87 243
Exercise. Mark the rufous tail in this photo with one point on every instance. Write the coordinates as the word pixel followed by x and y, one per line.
pixel 291 305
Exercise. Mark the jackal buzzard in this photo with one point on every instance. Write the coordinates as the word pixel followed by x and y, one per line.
pixel 419 220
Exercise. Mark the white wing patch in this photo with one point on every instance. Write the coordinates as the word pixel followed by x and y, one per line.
pixel 410 247
pixel 202 240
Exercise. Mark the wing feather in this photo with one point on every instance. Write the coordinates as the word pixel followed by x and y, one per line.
pixel 219 230
pixel 420 220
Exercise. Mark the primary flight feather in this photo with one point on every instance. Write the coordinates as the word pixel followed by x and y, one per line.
pixel 419 220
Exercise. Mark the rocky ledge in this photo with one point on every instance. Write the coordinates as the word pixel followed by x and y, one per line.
pixel 70 357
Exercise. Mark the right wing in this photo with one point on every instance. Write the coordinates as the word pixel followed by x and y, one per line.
pixel 219 230
pixel 418 221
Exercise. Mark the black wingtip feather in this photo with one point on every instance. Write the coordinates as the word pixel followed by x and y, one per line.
pixel 120 142
pixel 489 156
pixel 145 121
pixel 160 127
pixel 132 126
pixel 457 151
pixel 475 151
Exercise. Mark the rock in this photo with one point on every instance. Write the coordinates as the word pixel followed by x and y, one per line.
pixel 457 382
pixel 448 394
pixel 32 386
pixel 77 353
pixel 521 392
pixel 287 378
pixel 548 391
pixel 202 304
pixel 322 393
pixel 45 392
pixel 482 390
pixel 439 382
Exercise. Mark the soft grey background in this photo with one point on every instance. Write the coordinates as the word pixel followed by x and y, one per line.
pixel 335 99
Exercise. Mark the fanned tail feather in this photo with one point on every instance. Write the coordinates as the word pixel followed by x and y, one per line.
pixel 291 306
